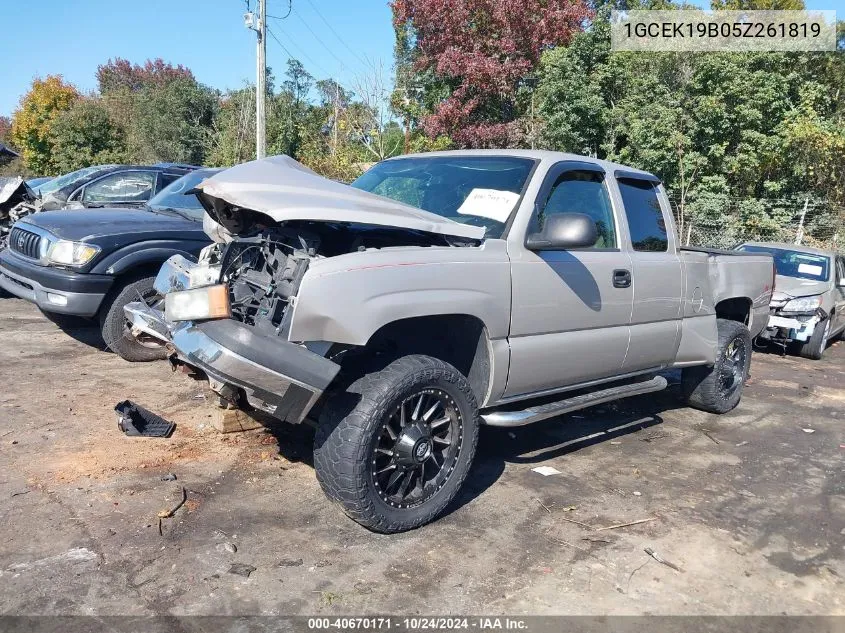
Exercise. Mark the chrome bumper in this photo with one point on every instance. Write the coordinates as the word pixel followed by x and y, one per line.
pixel 278 377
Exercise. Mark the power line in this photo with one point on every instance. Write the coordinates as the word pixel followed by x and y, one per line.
pixel 304 54
pixel 336 34
pixel 284 17
pixel 319 39
pixel 327 74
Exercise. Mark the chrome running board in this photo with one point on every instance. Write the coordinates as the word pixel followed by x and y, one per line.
pixel 552 409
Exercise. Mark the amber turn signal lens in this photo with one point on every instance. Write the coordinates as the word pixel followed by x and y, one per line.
pixel 210 302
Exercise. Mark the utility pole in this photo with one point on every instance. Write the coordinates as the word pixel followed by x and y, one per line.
pixel 261 83
pixel 259 25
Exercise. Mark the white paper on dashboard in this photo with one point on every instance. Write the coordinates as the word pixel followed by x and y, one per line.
pixel 810 269
pixel 489 203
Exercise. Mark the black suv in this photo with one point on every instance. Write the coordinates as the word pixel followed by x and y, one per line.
pixel 92 262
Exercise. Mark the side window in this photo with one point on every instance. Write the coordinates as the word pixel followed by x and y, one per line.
pixel 167 179
pixel 645 218
pixel 582 192
pixel 840 275
pixel 133 186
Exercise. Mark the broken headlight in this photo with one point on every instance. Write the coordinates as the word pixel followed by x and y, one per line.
pixel 803 304
pixel 71 253
pixel 210 302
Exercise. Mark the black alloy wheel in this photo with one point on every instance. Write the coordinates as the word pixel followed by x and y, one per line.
pixel 417 449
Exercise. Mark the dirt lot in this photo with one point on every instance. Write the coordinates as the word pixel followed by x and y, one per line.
pixel 749 506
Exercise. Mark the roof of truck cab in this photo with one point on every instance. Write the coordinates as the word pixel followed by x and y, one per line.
pixel 535 154
pixel 790 247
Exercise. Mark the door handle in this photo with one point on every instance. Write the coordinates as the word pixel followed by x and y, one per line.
pixel 621 278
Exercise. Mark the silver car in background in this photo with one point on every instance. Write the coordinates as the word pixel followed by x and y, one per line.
pixel 808 305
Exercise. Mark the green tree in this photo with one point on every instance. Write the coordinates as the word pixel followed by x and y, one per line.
pixel 299 81
pixel 769 5
pixel 171 122
pixel 231 139
pixel 85 135
pixel 752 133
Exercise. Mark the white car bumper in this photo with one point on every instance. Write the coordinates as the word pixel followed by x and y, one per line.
pixel 792 328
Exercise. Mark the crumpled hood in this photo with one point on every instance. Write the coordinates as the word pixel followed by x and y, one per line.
pixel 286 190
pixel 790 287
pixel 13 191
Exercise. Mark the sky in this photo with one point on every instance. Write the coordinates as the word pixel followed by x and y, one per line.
pixel 207 36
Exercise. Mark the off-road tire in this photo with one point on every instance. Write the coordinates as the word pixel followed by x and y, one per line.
pixel 815 346
pixel 349 427
pixel 701 386
pixel 113 321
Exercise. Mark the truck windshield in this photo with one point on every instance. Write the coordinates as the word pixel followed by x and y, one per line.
pixel 789 263
pixel 478 190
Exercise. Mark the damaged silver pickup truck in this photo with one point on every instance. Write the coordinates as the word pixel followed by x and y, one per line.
pixel 444 291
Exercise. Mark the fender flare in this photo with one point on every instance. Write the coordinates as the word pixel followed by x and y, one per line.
pixel 143 253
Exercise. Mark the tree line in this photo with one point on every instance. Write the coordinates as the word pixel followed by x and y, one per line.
pixel 744 142
pixel 158 111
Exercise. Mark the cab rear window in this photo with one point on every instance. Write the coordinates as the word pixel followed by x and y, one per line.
pixel 645 217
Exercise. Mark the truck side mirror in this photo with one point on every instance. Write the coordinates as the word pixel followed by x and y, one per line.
pixel 563 231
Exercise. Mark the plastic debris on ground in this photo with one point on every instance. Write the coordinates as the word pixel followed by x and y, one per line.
pixel 546 470
pixel 134 420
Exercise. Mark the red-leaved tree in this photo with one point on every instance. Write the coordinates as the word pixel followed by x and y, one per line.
pixel 121 73
pixel 485 49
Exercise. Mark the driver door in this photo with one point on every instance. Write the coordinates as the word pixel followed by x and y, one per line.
pixel 571 308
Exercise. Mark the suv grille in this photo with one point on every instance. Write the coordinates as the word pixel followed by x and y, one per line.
pixel 24 242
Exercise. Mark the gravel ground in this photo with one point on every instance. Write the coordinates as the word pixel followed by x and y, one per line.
pixel 749 507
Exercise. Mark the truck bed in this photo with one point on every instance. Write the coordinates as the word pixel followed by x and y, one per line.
pixel 735 275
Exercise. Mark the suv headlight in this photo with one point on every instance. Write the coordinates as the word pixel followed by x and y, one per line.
pixel 71 253
pixel 803 304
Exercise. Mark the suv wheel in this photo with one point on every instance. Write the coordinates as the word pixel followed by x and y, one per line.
pixel 815 346
pixel 115 327
pixel 394 448
pixel 717 389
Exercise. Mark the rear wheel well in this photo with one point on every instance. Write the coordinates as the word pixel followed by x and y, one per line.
pixel 735 309
pixel 458 339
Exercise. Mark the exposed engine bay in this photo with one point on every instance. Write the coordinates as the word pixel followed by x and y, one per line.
pixel 17 200
pixel 263 271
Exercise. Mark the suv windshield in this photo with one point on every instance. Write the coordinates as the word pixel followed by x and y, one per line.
pixel 174 195
pixel 68 179
pixel 478 190
pixel 795 263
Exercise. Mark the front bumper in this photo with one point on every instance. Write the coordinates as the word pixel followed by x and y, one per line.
pixel 274 375
pixel 53 289
pixel 792 328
